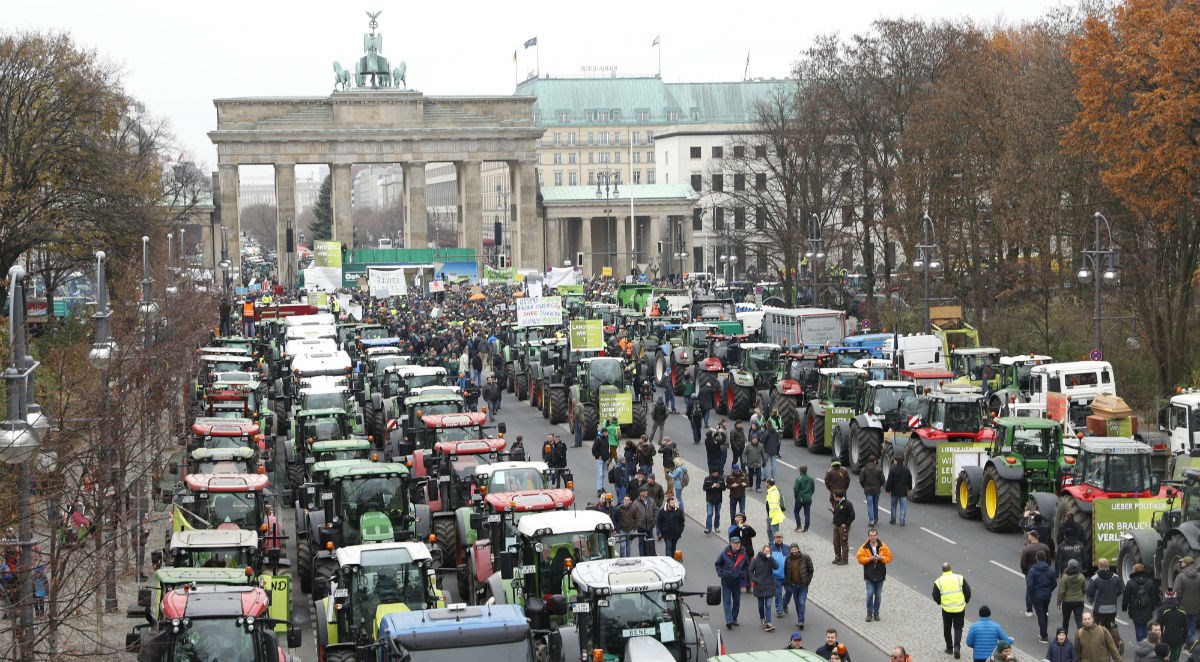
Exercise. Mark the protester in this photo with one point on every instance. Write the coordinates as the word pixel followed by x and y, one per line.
pixel 952 592
pixel 732 567
pixel 762 578
pixel 899 482
pixel 984 635
pixel 670 525
pixel 802 492
pixel 874 556
pixel 797 575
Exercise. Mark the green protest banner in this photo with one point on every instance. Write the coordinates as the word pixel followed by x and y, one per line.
pixel 1112 517
pixel 618 406
pixel 587 335
pixel 951 458
pixel 327 253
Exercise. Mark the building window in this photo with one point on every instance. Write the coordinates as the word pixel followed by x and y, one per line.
pixel 603 116
pixel 643 115
pixel 540 180
pixel 616 115
pixel 572 178
pixel 697 219
pixel 847 216
pixel 718 183
pixel 739 151
pixel 718 219
pixel 636 137
pixel 649 137
pixel 616 137
pixel 760 151
pixel 760 181
pixel 603 137
pixel 571 139
pixel 539 158
pixel 589 116
pixel 591 157
pixel 698 258
pixel 558 179
pixel 739 218
pixel 537 143
pixel 672 116
pixel 637 157
pixel 718 152
pixel 591 177
pixel 557 139
pixel 558 158
pixel 695 113
pixel 637 176
pixel 616 157
pixel 739 182
pixel 591 141
pixel 697 183
pixel 649 157
pixel 537 116
pixel 649 176
pixel 571 157
pixel 694 152
pixel 563 117
pixel 760 218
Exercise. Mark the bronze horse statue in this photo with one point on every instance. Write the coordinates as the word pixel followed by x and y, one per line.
pixel 341 77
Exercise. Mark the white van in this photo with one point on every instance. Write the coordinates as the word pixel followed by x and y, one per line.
pixel 916 351
pixel 1080 381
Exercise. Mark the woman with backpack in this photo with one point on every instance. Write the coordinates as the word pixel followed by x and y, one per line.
pixel 679 480
pixel 1139 600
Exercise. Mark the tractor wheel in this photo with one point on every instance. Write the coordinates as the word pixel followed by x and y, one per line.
pixel 558 406
pixel 325 568
pixel 724 395
pixel 590 418
pixel 534 399
pixel 295 476
pixel 661 367
pixel 544 402
pixel 743 402
pixel 522 385
pixel 785 407
pixel 864 444
pixel 281 426
pixel 922 463
pixel 1175 549
pixel 839 448
pixel 1131 555
pixel 1000 502
pixel 1066 504
pixel 447 540
pixel 968 500
pixel 304 563
pixel 510 384
pixel 381 432
pixel 816 434
pixel 640 412
pixel 369 418
pixel 886 453
pixel 339 655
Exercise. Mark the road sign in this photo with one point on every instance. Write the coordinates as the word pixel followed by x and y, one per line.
pixel 865 324
pixel 1096 355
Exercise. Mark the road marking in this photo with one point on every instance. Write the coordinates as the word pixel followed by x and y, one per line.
pixel 1004 567
pixel 938 535
pixel 789 466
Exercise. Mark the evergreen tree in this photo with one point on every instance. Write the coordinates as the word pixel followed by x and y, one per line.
pixel 322 228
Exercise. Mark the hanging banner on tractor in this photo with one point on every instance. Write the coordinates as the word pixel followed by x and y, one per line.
pixel 541 311
pixel 951 458
pixel 587 335
pixel 618 406
pixel 1112 517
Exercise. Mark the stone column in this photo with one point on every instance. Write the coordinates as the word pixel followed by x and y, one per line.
pixel 285 219
pixel 232 249
pixel 527 247
pixel 343 219
pixel 652 244
pixel 470 206
pixel 416 212
pixel 621 262
pixel 586 247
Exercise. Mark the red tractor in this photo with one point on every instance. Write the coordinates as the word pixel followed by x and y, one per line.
pixel 946 417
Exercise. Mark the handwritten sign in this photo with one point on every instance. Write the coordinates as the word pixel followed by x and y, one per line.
pixel 542 311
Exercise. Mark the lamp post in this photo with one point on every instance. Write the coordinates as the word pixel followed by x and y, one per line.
pixel 729 267
pixel 607 182
pixel 20 437
pixel 815 253
pixel 100 356
pixel 927 260
pixel 148 312
pixel 171 268
pixel 681 256
pixel 1095 258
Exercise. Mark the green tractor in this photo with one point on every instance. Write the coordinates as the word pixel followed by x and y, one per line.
pixel 597 378
pixel 1027 457
pixel 834 400
pixel 402 416
pixel 688 346
pixel 365 583
pixel 1014 383
pixel 972 365
pixel 753 368
pixel 363 503
pixel 395 383
pixel 882 412
pixel 553 377
pixel 308 428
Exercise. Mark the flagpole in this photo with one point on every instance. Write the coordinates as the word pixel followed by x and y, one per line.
pixel 516 77
pixel 660 60
pixel 537 56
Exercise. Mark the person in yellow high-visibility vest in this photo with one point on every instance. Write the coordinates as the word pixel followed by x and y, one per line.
pixel 952 592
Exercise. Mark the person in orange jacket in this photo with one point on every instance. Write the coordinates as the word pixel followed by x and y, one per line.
pixel 874 556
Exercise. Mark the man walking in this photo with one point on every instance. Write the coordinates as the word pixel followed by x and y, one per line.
pixel 984 635
pixel 1139 600
pixel 771 448
pixel 899 482
pixel 797 575
pixel 871 479
pixel 1104 591
pixel 952 592
pixel 1173 619
pixel 737 441
pixel 874 556
pixel 1040 584
pixel 600 455
pixel 491 395
pixel 714 486
pixel 752 460
pixel 1187 587
pixel 1094 643
pixel 659 416
pixel 837 481
pixel 779 552
pixel 843 517
pixel 802 492
pixel 732 566
pixel 668 391
pixel 627 522
pixel 1028 558
pixel 736 483
pixel 775 506
pixel 645 512
pixel 707 399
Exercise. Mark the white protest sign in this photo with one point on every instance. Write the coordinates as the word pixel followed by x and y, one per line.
pixel 539 312
pixel 386 282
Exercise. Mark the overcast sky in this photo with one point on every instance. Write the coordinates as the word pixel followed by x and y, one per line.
pixel 179 56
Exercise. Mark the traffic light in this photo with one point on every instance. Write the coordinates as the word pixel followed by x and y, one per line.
pixel 579 259
pixel 502 261
pixel 660 247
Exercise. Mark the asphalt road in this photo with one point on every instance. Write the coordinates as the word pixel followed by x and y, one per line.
pixel 934 533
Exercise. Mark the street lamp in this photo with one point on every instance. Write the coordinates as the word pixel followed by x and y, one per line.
pixel 607 182
pixel 681 256
pixel 20 437
pixel 815 253
pixel 1095 258
pixel 100 356
pixel 729 266
pixel 927 261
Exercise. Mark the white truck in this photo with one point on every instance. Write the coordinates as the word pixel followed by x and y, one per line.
pixel 806 327
pixel 915 351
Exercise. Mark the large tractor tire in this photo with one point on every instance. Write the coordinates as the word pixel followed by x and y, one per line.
pixel 590 419
pixel 840 448
pixel 280 409
pixel 1066 504
pixel 1131 555
pixel 295 476
pixel 558 405
pixel 922 463
pixel 661 367
pixel 544 402
pixel 886 453
pixel 815 433
pixel 1175 549
pixel 304 569
pixel 325 568
pixel 521 384
pixel 381 433
pixel 447 540
pixel 785 407
pixel 863 444
pixel 724 398
pixel 1000 502
pixel 967 497
pixel 743 402
pixel 369 419
pixel 339 655
pixel 641 412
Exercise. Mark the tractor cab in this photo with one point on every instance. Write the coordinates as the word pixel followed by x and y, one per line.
pixel 403 416
pixel 221 501
pixel 1180 419
pixel 313 425
pixel 928 378
pixel 632 608
pixel 847 357
pixel 241 460
pixel 227 623
pixel 216 548
pixel 506 477
pixel 840 387
pixel 761 361
pixel 211 432
pixel 548 546
pixel 400 380
pixel 339 449
pixel 602 374
pixel 974 365
pixel 369 582
pixel 1113 467
pixel 951 414
pixel 879 369
pixel 324 397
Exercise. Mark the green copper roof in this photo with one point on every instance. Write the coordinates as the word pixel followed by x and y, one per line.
pixel 692 103
pixel 638 191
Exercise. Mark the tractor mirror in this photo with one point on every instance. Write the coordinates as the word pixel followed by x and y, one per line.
pixel 173 468
pixel 295 637
pixel 320 587
pixel 133 641
pixel 502 428
pixel 712 596
pixel 477 522
pixel 156 558
pixel 165 496
pixel 273 561
pixel 143 599
pixel 557 605
pixel 506 564
pixel 1155 483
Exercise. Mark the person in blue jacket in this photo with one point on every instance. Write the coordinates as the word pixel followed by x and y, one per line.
pixel 984 634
